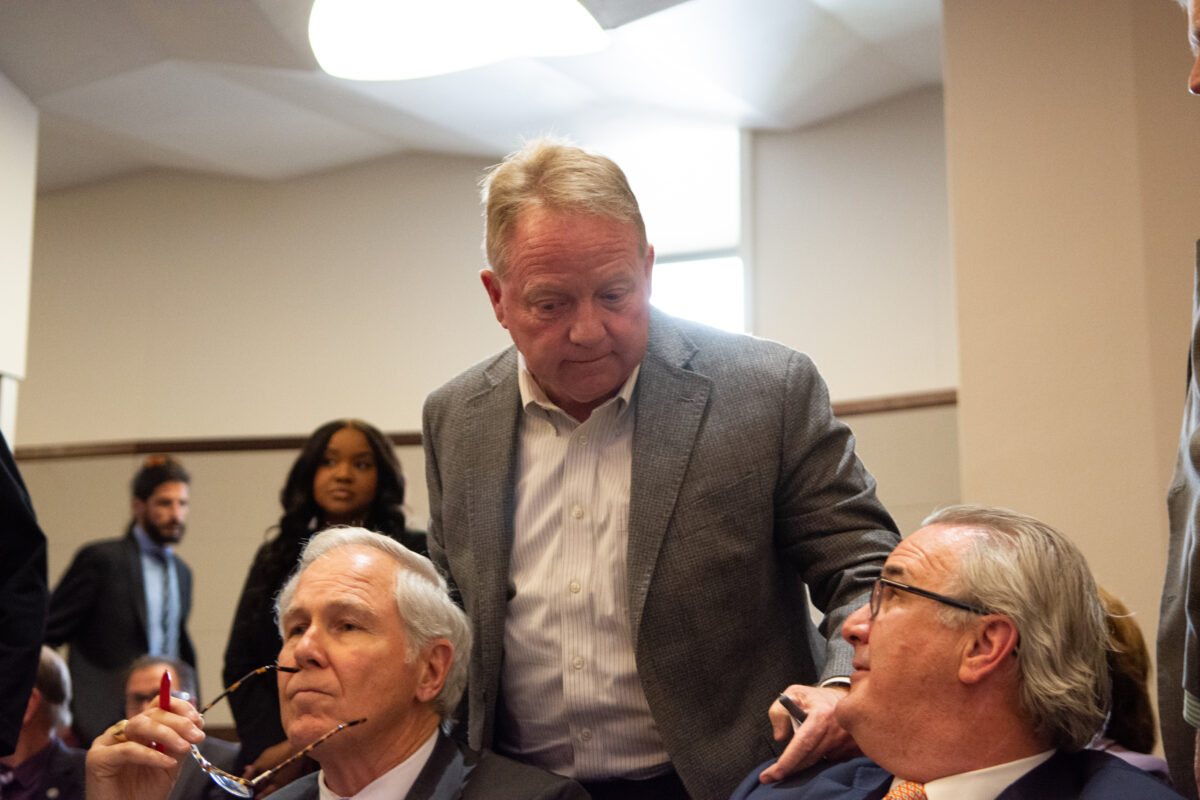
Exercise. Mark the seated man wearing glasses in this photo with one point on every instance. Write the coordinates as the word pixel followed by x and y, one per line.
pixel 979 672
pixel 141 693
pixel 369 669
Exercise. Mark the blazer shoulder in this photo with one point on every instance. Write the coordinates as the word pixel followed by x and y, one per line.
pixel 856 778
pixel 474 380
pixel 716 353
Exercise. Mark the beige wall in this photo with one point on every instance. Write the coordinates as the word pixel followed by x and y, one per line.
pixel 170 304
pixel 850 239
pixel 1072 173
pixel 18 160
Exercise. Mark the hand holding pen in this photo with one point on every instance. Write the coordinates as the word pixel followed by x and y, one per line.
pixel 798 713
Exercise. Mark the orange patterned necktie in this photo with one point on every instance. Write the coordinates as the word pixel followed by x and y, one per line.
pixel 906 790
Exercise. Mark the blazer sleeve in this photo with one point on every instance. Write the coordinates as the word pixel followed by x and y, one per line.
pixel 829 522
pixel 75 596
pixel 22 598
pixel 433 484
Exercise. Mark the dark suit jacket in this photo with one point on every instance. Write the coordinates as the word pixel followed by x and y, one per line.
pixel 1178 651
pixel 22 598
pixel 744 487
pixel 1087 775
pixel 99 609
pixel 64 775
pixel 451 774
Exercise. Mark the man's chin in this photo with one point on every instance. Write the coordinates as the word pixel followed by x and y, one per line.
pixel 306 730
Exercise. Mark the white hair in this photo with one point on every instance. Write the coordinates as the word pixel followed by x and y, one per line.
pixel 422 598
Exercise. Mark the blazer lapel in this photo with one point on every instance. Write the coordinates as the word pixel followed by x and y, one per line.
pixel 137 583
pixel 443 775
pixel 490 502
pixel 669 402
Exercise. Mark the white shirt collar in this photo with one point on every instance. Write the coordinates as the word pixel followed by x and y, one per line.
pixel 396 782
pixel 983 784
pixel 531 392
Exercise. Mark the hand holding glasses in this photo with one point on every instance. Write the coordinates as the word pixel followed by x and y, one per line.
pixel 246 787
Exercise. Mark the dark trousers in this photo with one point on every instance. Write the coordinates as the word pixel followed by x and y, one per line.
pixel 660 787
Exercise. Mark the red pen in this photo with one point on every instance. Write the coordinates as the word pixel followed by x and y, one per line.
pixel 164 700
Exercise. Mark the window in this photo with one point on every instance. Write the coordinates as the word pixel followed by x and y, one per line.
pixel 707 288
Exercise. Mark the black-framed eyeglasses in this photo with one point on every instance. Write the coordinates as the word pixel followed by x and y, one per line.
pixel 877 597
pixel 246 787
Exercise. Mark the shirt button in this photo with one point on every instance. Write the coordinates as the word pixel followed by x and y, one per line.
pixel 586 734
pixel 575 587
pixel 583 440
pixel 577 662
pixel 577 512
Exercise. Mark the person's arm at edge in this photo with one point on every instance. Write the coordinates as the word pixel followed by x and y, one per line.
pixel 864 535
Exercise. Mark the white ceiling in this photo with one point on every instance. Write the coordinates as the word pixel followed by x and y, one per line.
pixel 230 86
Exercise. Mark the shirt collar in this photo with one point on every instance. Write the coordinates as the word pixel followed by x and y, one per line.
pixel 396 782
pixel 148 545
pixel 531 392
pixel 986 783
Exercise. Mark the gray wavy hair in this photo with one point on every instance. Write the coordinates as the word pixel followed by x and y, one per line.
pixel 422 598
pixel 1033 574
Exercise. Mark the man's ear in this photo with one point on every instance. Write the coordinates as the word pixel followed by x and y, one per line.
pixel 436 659
pixel 31 708
pixel 491 283
pixel 988 646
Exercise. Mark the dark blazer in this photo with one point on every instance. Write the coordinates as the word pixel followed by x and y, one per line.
pixel 1087 775
pixel 1178 653
pixel 744 488
pixel 99 609
pixel 23 594
pixel 451 774
pixel 65 773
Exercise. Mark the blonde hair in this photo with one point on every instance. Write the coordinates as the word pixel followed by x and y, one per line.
pixel 557 176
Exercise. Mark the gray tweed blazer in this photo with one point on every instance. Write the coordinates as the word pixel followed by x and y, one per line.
pixel 745 489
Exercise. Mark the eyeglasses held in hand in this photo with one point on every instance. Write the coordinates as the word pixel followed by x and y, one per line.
pixel 246 787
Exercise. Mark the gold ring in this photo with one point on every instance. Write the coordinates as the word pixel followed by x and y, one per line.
pixel 118 730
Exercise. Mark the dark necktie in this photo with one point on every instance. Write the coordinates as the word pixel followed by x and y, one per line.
pixel 169 646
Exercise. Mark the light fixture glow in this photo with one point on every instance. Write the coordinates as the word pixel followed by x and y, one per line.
pixel 374 40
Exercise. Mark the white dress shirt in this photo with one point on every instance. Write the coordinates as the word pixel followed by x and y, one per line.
pixel 983 784
pixel 571 698
pixel 394 783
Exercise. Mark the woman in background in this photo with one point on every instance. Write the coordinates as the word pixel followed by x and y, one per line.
pixel 346 474
pixel 1130 730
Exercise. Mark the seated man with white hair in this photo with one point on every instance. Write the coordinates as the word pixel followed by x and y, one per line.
pixel 368 671
pixel 42 766
pixel 980 673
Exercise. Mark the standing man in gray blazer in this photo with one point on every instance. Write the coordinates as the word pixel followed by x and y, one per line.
pixel 1178 652
pixel 631 507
